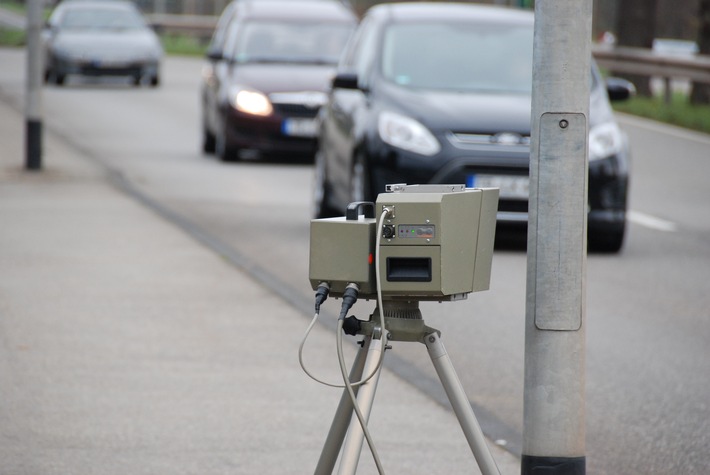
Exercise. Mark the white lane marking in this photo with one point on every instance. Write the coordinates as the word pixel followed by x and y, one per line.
pixel 651 222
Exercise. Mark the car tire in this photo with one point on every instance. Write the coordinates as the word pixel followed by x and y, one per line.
pixel 359 179
pixel 320 192
pixel 224 151
pixel 58 78
pixel 137 81
pixel 209 141
pixel 155 81
pixel 607 242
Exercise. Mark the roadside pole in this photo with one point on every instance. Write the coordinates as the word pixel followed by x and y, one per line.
pixel 33 103
pixel 554 393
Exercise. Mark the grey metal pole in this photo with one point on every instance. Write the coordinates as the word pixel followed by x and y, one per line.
pixel 554 399
pixel 33 103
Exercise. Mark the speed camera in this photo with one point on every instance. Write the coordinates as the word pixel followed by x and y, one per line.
pixel 428 242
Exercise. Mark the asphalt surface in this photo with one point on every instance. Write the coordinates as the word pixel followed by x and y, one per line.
pixel 128 347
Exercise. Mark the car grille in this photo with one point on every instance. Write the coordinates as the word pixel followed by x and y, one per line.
pixel 464 140
pixel 296 110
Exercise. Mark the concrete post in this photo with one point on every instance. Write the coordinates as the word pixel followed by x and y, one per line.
pixel 554 413
pixel 33 103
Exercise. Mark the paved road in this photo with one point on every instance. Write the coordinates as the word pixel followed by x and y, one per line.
pixel 648 308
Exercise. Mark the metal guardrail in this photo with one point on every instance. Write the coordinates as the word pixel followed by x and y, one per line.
pixel 628 60
pixel 640 61
pixel 11 20
pixel 645 62
pixel 201 26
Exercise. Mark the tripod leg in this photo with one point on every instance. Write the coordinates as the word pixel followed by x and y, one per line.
pixel 365 397
pixel 459 402
pixel 343 414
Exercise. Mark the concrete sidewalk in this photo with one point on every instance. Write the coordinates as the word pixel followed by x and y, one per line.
pixel 128 348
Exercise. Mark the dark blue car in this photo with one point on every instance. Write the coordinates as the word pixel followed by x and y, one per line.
pixel 441 93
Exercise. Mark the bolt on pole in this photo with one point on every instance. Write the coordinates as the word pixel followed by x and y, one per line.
pixel 554 392
pixel 33 103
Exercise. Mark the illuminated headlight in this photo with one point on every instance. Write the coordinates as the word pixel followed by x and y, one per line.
pixel 250 101
pixel 406 133
pixel 605 140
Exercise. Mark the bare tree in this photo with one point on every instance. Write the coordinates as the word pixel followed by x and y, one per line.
pixel 636 27
pixel 701 92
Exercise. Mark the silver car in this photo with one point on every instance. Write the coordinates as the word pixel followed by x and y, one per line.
pixel 101 38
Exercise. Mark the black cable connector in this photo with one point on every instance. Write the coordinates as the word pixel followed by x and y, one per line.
pixel 349 298
pixel 352 326
pixel 321 294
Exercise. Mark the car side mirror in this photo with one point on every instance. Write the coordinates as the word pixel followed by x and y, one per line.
pixel 214 55
pixel 345 81
pixel 619 89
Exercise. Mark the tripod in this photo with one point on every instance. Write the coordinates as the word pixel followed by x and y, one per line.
pixel 403 321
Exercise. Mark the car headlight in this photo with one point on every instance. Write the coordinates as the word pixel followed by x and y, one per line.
pixel 605 140
pixel 250 101
pixel 406 133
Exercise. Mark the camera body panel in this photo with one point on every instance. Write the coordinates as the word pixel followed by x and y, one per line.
pixel 436 243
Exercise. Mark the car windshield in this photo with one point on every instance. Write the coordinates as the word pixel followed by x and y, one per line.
pixel 100 19
pixel 458 56
pixel 292 42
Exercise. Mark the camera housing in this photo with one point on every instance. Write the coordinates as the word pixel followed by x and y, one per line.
pixel 431 242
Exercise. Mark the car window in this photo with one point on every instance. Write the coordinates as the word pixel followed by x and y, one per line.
pixel 220 33
pixel 98 19
pixel 458 56
pixel 230 39
pixel 270 41
pixel 364 55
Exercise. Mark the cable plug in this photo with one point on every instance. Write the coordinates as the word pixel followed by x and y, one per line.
pixel 321 294
pixel 349 298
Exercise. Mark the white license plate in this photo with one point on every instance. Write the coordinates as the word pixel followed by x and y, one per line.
pixel 300 127
pixel 510 186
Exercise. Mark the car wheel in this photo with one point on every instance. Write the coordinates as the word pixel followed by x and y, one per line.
pixel 223 150
pixel 609 241
pixel 59 78
pixel 208 140
pixel 137 80
pixel 359 180
pixel 155 81
pixel 320 191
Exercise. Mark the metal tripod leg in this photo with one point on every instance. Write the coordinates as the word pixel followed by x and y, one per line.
pixel 459 402
pixel 343 414
pixel 410 329
pixel 365 398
